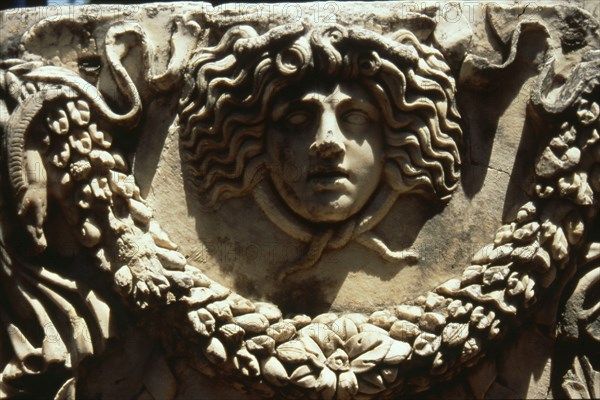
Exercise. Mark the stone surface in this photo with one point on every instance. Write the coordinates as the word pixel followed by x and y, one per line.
pixel 335 200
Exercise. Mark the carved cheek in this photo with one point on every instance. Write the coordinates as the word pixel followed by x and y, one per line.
pixel 366 158
pixel 290 165
pixel 275 150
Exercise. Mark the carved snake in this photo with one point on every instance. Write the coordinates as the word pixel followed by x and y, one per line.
pixel 66 84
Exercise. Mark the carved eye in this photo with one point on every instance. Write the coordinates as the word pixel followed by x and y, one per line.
pixel 298 118
pixel 356 118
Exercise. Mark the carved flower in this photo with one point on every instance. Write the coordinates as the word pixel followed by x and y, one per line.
pixel 338 361
pixel 365 362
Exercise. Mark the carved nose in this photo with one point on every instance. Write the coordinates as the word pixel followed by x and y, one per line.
pixel 329 141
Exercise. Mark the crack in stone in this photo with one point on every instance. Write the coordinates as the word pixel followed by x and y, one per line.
pixel 522 189
pixel 498 170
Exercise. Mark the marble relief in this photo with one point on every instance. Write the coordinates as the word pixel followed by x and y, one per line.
pixel 348 132
pixel 419 189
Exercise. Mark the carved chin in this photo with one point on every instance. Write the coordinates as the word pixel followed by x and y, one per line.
pixel 328 207
pixel 320 206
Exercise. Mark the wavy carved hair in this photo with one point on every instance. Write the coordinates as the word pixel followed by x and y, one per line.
pixel 224 114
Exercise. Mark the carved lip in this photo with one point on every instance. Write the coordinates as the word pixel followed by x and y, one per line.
pixel 325 174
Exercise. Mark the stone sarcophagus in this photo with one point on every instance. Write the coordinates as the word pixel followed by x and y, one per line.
pixel 300 200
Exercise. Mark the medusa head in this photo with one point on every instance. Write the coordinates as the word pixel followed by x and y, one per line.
pixel 324 125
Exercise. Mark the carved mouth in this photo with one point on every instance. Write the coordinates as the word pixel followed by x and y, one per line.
pixel 327 175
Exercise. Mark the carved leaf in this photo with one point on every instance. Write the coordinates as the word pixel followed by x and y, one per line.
pixel 274 371
pixel 347 386
pixel 366 350
pixel 292 352
pixel 582 381
pixel 326 384
pixel 304 377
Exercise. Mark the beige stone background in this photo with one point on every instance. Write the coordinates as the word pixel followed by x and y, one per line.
pixel 238 245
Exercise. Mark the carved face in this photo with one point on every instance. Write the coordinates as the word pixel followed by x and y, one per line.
pixel 325 148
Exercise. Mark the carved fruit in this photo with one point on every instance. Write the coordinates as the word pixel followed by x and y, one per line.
pixel 232 333
pixel 367 349
pixel 427 344
pixel 325 319
pixel 281 331
pixel 101 160
pixel 246 362
pixel 432 322
pixel 61 157
pixel 326 339
pixel 221 311
pixel 261 344
pixel 301 320
pixel 372 328
pixel 80 169
pixel 304 377
pixel 409 313
pixel 252 323
pixel 457 309
pixel 347 386
pixel 455 334
pixel 338 361
pixel 483 255
pixel 470 349
pixel 139 212
pixel 398 352
pixel 215 351
pixel 404 331
pixel 240 305
pixel 270 311
pixel 371 383
pixel 292 352
pixel 90 233
pixel 326 384
pixel 274 372
pixel 170 259
pixel 383 319
pixel 124 279
pixel 344 327
pixel 199 296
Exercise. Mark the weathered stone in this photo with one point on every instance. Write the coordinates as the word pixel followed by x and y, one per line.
pixel 281 331
pixel 323 200
pixel 404 331
pixel 252 323
pixel 409 313
pixel 382 319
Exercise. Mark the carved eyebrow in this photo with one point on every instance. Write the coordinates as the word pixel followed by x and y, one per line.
pixel 365 105
pixel 281 109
